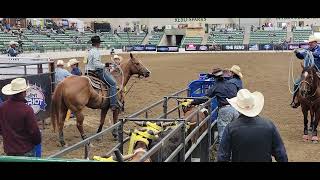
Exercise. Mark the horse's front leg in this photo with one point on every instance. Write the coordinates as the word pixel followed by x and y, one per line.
pixel 312 114
pixel 315 125
pixel 103 114
pixel 115 120
pixel 305 122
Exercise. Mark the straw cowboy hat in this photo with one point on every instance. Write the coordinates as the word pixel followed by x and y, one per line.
pixel 72 62
pixel 13 42
pixel 60 62
pixel 16 86
pixel 247 103
pixel 313 38
pixel 236 69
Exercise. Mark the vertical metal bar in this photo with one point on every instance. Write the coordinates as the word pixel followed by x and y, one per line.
pixel 25 69
pixel 183 150
pixel 179 113
pixel 51 66
pixel 146 114
pixel 120 135
pixel 209 128
pixel 165 107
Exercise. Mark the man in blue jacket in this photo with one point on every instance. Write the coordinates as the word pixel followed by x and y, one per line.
pixel 301 54
pixel 222 90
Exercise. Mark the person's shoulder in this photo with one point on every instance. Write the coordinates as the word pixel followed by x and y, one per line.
pixel 268 122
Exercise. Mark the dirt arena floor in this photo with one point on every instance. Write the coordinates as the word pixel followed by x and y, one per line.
pixel 264 72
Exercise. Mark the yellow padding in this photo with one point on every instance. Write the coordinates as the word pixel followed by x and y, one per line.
pixel 99 158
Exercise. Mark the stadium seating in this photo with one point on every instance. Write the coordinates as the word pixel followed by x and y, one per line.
pixel 191 40
pixel 267 37
pixel 301 35
pixel 130 38
pixel 229 37
pixel 155 38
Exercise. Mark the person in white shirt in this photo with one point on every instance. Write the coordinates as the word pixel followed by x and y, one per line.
pixel 95 65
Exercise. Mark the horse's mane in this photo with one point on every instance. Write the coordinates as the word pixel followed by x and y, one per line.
pixel 309 69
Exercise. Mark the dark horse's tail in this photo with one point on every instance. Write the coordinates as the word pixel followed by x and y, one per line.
pixel 56 106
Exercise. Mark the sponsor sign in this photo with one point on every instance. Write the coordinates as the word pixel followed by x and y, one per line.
pixel 36 98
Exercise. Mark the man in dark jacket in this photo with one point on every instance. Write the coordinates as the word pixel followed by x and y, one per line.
pixel 222 90
pixel 18 125
pixel 250 138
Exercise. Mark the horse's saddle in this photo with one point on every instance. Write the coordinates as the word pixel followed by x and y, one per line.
pixel 95 81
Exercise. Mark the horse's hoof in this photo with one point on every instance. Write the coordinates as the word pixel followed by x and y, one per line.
pixel 91 145
pixel 115 138
pixel 314 138
pixel 63 146
pixel 305 137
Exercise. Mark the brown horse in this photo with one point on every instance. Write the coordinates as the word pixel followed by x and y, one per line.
pixel 309 98
pixel 76 92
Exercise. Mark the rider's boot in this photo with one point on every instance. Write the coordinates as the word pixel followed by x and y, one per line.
pixel 294 103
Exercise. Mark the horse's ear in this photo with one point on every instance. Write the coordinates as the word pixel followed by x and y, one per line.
pixel 131 56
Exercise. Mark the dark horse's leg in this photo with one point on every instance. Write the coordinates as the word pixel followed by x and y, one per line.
pixel 80 119
pixel 305 120
pixel 311 121
pixel 315 125
pixel 63 113
pixel 103 114
pixel 115 120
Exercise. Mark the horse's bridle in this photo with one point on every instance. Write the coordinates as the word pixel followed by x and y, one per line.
pixel 310 85
pixel 138 69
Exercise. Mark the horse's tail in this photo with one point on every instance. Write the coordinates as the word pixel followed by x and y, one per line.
pixel 55 107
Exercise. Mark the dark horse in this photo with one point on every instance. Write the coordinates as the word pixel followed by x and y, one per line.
pixel 76 92
pixel 309 98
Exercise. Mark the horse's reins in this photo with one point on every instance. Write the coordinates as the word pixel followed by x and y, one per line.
pixel 139 72
pixel 308 58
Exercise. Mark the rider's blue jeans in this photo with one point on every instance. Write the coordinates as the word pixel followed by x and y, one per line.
pixel 108 79
pixel 296 84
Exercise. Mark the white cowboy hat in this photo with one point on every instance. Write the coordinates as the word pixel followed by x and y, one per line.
pixel 312 38
pixel 16 86
pixel 72 62
pixel 60 62
pixel 247 103
pixel 12 43
pixel 236 69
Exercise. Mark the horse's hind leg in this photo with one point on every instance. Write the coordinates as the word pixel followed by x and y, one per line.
pixel 80 119
pixel 61 124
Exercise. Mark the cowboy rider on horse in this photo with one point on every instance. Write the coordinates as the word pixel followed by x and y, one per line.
pixel 301 54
